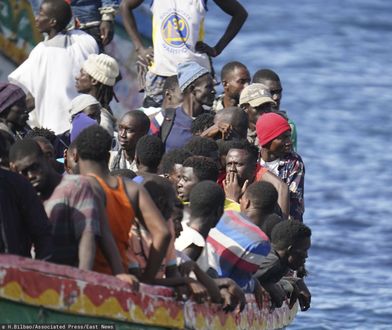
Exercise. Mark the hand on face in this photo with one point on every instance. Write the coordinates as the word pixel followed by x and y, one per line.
pixel 232 188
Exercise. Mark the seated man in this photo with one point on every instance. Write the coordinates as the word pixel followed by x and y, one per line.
pixel 290 241
pixel 274 134
pixel 235 249
pixel 235 77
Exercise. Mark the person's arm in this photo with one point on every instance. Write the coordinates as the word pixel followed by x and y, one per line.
pixel 198 291
pixel 203 278
pixel 108 12
pixel 87 250
pixel 300 292
pixel 276 292
pixel 150 217
pixel 238 17
pixel 283 192
pixel 193 251
pixel 220 129
pixel 231 293
pixel 126 9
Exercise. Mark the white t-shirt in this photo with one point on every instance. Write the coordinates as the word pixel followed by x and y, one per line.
pixel 49 75
pixel 272 166
pixel 191 236
pixel 177 26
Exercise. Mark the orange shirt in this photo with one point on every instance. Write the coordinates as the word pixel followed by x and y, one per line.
pixel 260 172
pixel 121 216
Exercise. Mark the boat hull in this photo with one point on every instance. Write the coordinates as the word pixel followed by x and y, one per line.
pixel 37 291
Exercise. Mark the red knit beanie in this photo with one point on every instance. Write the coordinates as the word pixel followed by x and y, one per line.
pixel 269 126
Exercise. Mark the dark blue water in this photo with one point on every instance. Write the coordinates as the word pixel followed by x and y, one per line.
pixel 334 60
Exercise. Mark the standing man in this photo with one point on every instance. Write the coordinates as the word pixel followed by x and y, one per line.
pixel 48 73
pixel 178 33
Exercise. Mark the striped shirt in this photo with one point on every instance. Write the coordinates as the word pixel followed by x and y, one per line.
pixel 236 247
pixel 72 209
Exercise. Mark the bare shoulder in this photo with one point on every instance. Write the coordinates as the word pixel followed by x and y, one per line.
pixel 133 190
pixel 271 177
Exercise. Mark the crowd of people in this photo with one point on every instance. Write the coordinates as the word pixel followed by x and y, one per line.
pixel 195 191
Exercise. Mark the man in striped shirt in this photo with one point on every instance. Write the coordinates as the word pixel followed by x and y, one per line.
pixel 235 249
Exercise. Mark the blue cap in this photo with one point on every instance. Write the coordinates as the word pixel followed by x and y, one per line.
pixel 188 72
pixel 80 122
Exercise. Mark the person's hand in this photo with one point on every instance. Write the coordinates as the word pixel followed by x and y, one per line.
pixel 304 295
pixel 233 297
pixel 258 292
pixel 238 295
pixel 107 32
pixel 232 188
pixel 182 292
pixel 130 279
pixel 202 47
pixel 199 292
pixel 277 294
pixel 186 267
pixel 145 56
pixel 219 130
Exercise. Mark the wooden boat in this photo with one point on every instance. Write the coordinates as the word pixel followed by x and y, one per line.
pixel 33 291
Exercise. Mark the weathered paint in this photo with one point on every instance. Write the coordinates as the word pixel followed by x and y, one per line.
pixel 70 291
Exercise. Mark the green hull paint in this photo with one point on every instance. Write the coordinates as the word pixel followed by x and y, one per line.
pixel 11 312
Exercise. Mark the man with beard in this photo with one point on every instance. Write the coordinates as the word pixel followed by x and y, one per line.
pixel 235 77
pixel 198 91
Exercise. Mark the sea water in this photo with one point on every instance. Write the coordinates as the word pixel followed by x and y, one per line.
pixel 334 60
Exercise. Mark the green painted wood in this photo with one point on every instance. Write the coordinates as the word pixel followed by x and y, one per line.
pixel 11 312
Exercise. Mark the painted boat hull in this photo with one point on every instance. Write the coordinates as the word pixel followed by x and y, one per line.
pixel 41 292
